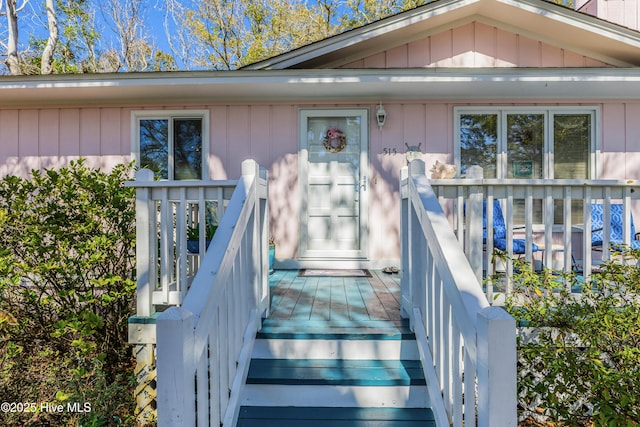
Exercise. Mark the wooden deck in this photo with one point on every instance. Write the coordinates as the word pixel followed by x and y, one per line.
pixel 335 299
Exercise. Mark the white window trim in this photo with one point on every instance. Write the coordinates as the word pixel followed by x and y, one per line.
pixel 549 112
pixel 136 116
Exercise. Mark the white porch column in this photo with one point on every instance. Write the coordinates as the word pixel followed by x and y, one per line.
pixel 474 214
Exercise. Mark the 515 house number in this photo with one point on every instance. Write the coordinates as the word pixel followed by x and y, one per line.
pixel 387 151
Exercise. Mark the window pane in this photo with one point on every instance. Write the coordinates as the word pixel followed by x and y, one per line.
pixel 572 141
pixel 154 146
pixel 478 142
pixel 525 142
pixel 187 153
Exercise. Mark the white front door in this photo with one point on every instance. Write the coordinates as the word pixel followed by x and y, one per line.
pixel 333 183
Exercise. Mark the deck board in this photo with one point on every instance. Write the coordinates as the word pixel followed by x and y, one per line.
pixel 356 299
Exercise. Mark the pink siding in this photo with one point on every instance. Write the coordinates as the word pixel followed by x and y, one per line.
pixel 475 45
pixel 623 12
pixel 269 133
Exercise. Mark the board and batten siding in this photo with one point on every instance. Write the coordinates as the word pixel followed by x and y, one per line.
pixel 51 137
pixel 268 133
pixel 475 45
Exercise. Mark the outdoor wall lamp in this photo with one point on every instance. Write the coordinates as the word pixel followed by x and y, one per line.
pixel 381 115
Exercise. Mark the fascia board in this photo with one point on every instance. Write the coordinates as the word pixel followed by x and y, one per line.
pixel 300 86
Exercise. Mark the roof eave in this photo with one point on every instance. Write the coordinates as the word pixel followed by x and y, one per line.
pixel 209 88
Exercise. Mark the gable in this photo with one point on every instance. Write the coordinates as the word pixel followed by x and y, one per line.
pixel 475 44
pixel 526 32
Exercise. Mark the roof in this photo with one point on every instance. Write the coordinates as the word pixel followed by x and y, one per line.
pixel 538 19
pixel 306 74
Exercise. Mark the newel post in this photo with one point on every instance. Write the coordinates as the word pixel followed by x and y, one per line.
pixel 176 367
pixel 251 178
pixel 405 236
pixel 146 250
pixel 417 248
pixel 496 368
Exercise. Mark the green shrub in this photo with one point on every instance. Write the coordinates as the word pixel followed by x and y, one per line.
pixel 67 281
pixel 579 360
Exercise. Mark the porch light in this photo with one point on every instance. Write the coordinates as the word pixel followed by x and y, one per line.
pixel 381 115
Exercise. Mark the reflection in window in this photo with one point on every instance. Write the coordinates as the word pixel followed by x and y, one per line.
pixel 479 142
pixel 511 143
pixel 154 146
pixel 172 148
pixel 187 148
pixel 571 144
pixel 525 139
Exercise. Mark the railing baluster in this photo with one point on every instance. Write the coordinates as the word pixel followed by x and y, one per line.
pixel 165 223
pixel 586 232
pixel 457 377
pixel 491 265
pixel 528 221
pixel 606 228
pixel 548 227
pixel 626 216
pixel 567 261
pixel 181 244
pixel 509 223
pixel 470 395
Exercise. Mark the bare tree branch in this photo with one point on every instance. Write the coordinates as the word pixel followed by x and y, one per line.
pixel 47 55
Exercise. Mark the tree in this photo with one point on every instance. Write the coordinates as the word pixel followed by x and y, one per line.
pixel 11 12
pixel 133 52
pixel 47 54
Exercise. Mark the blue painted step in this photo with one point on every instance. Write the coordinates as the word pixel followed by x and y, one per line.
pixel 336 372
pixel 254 416
pixel 335 330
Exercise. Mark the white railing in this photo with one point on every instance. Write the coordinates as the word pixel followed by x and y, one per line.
pixel 562 232
pixel 165 212
pixel 204 346
pixel 467 347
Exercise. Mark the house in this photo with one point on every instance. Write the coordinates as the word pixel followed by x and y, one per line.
pixel 440 72
pixel 529 90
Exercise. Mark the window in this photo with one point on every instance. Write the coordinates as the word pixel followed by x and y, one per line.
pixel 170 143
pixel 528 143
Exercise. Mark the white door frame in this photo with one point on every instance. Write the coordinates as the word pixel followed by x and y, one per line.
pixel 363 197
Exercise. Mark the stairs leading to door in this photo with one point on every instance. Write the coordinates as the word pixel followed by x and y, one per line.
pixel 332 373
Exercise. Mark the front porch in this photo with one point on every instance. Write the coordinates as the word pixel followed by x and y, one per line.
pixel 219 311
pixel 335 351
pixel 350 300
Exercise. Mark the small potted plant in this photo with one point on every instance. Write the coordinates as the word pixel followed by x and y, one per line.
pixel 193 237
pixel 272 254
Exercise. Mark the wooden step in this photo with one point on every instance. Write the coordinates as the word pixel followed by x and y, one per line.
pixel 335 330
pixel 336 372
pixel 287 348
pixel 251 416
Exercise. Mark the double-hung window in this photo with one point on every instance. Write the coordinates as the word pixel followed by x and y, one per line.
pixel 173 144
pixel 528 143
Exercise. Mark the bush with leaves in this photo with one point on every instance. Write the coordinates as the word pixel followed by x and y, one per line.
pixel 67 281
pixel 579 355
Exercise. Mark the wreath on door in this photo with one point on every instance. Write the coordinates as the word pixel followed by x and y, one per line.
pixel 334 140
